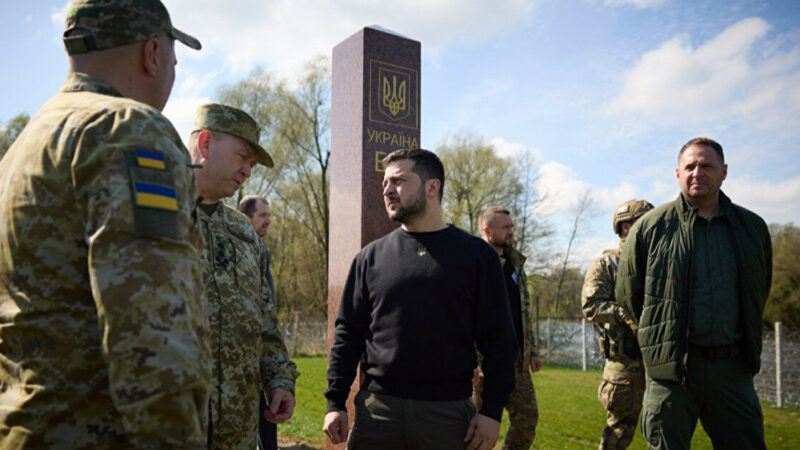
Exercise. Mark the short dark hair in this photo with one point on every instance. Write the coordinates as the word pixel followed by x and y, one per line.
pixel 486 218
pixel 247 205
pixel 705 142
pixel 426 164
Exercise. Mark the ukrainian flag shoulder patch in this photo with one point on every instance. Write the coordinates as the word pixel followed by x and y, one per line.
pixel 155 196
pixel 152 185
pixel 151 159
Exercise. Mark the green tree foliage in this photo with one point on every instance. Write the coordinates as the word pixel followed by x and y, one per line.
pixel 546 287
pixel 295 125
pixel 10 131
pixel 477 177
pixel 784 298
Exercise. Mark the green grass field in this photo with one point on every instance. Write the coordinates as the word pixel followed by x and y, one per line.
pixel 570 417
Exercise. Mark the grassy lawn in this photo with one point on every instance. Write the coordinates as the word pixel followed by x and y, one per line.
pixel 570 417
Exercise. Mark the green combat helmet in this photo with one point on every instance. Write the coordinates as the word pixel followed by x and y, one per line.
pixel 629 212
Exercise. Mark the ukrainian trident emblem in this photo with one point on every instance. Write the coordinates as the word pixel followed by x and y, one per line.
pixel 394 95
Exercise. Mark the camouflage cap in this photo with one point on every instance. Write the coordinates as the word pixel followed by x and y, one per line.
pixel 233 121
pixel 102 24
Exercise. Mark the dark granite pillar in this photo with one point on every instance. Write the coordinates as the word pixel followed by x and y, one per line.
pixel 374 110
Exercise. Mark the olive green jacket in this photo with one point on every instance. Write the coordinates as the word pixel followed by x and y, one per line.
pixel 517 259
pixel 654 282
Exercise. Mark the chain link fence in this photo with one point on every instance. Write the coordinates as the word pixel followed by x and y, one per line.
pixel 573 343
pixel 305 337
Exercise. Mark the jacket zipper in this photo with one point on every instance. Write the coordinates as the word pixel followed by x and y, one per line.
pixel 219 318
pixel 687 302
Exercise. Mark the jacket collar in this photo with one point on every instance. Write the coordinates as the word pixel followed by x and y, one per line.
pixel 81 82
pixel 517 259
pixel 686 211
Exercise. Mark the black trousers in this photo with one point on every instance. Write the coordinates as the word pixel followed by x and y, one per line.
pixel 267 431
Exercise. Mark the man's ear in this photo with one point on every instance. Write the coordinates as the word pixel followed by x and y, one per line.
pixel 204 138
pixel 432 187
pixel 150 50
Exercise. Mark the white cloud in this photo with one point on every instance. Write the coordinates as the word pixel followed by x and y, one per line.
pixel 507 149
pixel 727 81
pixel 775 201
pixel 561 188
pixel 642 4
pixel 587 250
pixel 282 35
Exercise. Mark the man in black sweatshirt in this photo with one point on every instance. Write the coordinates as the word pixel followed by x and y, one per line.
pixel 416 303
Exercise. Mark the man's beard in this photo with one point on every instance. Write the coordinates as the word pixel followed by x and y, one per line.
pixel 404 214
pixel 506 244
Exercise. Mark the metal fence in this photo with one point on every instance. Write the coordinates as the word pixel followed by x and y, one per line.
pixel 573 343
pixel 305 337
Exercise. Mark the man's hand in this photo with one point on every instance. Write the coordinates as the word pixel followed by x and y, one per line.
pixel 335 426
pixel 482 433
pixel 476 376
pixel 536 364
pixel 281 406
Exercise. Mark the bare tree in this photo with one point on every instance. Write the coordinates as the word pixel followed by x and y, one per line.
pixel 295 129
pixel 582 211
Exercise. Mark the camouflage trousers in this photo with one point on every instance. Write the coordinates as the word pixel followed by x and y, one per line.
pixel 621 393
pixel 523 412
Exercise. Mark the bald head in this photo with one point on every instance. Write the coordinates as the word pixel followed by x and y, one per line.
pixel 143 71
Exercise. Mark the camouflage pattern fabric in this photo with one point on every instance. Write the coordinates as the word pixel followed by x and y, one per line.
pixel 622 388
pixel 523 411
pixel 107 24
pixel 229 120
pixel 248 351
pixel 103 328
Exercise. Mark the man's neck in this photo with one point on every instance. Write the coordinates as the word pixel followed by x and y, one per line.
pixel 431 221
pixel 499 250
pixel 706 206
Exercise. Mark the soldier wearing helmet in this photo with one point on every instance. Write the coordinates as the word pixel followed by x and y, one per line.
pixel 622 388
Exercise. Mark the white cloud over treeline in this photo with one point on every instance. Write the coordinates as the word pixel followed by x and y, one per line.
pixel 280 35
pixel 739 76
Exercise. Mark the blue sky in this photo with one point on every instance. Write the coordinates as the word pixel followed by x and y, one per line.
pixel 601 93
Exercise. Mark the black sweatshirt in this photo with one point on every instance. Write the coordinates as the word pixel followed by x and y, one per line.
pixel 416 304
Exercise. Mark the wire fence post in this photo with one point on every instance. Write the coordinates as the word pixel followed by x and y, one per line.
pixel 549 337
pixel 583 342
pixel 295 333
pixel 537 321
pixel 778 365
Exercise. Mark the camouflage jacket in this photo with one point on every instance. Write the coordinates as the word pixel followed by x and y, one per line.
pixel 517 259
pixel 103 328
pixel 248 351
pixel 600 307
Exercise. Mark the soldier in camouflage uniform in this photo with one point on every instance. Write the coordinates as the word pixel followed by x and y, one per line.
pixel 248 352
pixel 497 229
pixel 103 327
pixel 622 388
